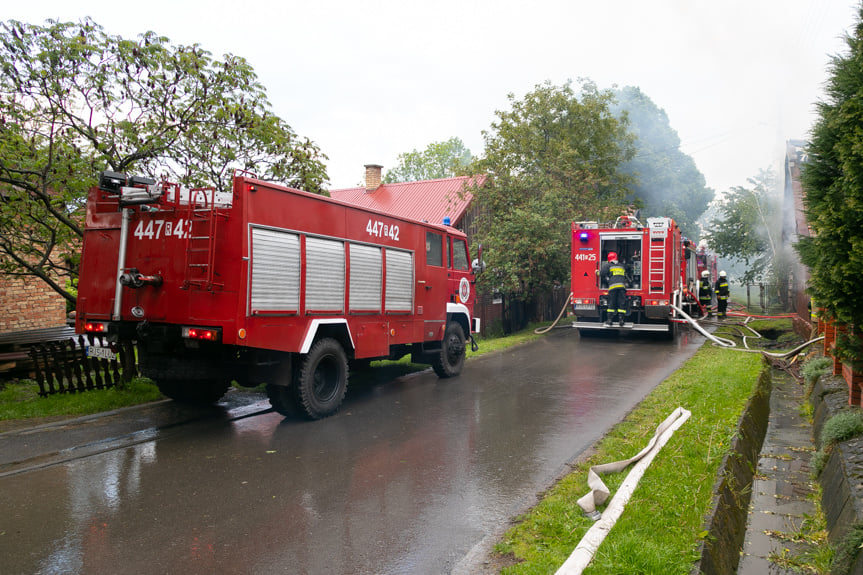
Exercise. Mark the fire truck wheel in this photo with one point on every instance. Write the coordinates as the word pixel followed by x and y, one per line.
pixel 450 360
pixel 284 400
pixel 322 379
pixel 671 334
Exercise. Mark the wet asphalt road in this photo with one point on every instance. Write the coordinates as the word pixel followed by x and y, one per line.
pixel 420 475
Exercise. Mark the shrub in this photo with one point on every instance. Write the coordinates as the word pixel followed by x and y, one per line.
pixel 815 368
pixel 844 425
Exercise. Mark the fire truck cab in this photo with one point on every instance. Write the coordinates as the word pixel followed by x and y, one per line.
pixel 651 254
pixel 268 284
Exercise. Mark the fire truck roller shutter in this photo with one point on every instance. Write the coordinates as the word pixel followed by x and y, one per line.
pixel 400 280
pixel 366 278
pixel 325 275
pixel 275 271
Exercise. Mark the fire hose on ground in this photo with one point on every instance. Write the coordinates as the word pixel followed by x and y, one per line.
pixel 730 344
pixel 586 549
pixel 542 330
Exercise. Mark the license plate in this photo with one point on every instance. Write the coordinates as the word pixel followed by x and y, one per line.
pixel 100 352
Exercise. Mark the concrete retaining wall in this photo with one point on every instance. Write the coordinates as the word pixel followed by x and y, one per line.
pixel 720 552
pixel 842 478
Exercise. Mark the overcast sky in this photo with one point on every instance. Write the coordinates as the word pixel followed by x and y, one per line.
pixel 370 80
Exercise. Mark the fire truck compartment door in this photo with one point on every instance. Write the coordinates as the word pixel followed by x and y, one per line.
pixel 275 271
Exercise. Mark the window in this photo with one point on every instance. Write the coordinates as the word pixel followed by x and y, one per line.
pixel 459 255
pixel 434 249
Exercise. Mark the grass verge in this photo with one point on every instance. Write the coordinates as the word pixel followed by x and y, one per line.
pixel 663 524
pixel 20 400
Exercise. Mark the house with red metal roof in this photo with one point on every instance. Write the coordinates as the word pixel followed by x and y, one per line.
pixel 427 200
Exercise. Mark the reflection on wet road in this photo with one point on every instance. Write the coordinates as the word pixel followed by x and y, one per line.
pixel 409 477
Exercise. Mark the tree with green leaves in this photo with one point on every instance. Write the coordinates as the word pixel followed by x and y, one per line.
pixel 75 100
pixel 832 177
pixel 552 158
pixel 667 181
pixel 439 160
pixel 749 229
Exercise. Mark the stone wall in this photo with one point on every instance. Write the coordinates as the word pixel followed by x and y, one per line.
pixel 842 478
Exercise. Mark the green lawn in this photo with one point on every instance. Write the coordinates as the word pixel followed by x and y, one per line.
pixel 20 399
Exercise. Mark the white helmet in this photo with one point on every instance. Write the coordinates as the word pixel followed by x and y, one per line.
pixel 705 274
pixel 722 274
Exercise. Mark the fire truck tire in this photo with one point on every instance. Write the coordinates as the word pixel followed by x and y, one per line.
pixel 450 360
pixel 671 334
pixel 322 379
pixel 284 400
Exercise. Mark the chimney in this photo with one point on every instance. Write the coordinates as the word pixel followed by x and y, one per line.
pixel 373 177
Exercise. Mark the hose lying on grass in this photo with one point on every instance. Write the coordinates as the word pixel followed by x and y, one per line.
pixel 721 341
pixel 586 549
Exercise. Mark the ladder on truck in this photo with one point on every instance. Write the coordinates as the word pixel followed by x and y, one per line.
pixel 656 261
pixel 201 239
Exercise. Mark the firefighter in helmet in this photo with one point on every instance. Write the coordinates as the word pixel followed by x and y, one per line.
pixel 722 293
pixel 705 292
pixel 614 275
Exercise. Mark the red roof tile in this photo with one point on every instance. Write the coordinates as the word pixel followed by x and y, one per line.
pixel 428 200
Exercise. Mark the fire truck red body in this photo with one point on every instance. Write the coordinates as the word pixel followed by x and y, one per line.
pixel 659 267
pixel 267 284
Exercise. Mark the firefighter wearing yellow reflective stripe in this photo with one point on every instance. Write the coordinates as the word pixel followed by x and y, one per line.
pixel 722 293
pixel 614 274
pixel 705 293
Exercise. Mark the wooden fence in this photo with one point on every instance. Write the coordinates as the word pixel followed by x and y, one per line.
pixel 64 366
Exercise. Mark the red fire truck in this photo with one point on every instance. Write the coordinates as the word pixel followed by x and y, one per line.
pixel 659 267
pixel 267 284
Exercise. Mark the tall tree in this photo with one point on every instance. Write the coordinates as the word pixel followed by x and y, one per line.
pixel 667 181
pixel 438 160
pixel 832 179
pixel 749 228
pixel 75 100
pixel 552 158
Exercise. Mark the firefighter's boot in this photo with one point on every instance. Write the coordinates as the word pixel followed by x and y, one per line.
pixel 620 322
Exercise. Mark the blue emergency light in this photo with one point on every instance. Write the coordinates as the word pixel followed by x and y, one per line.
pixel 583 236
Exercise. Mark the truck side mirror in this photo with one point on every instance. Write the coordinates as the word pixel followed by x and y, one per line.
pixel 478 265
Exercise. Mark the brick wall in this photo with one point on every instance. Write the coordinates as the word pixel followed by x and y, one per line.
pixel 28 303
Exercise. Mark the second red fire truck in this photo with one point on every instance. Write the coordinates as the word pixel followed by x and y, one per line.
pixel 267 284
pixel 661 271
